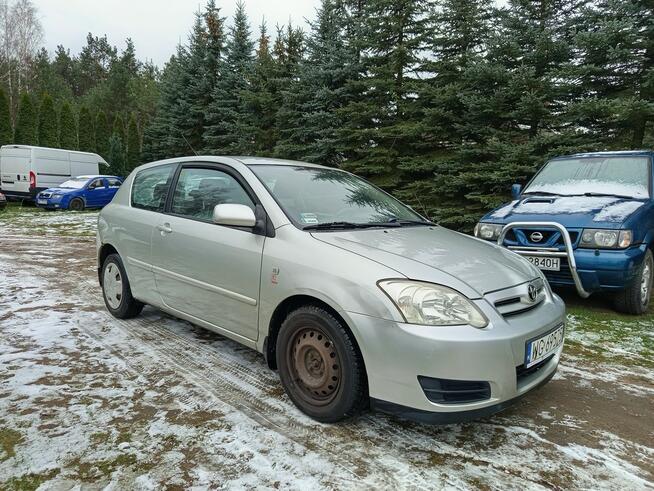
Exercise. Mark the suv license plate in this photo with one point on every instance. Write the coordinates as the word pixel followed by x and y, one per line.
pixel 545 263
pixel 540 348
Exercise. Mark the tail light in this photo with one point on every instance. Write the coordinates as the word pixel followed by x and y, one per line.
pixel 32 180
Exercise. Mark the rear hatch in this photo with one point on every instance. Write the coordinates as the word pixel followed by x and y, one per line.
pixel 15 166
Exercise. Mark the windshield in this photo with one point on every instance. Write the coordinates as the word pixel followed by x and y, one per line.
pixel 74 183
pixel 314 196
pixel 624 176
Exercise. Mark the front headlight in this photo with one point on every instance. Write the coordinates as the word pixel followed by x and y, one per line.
pixel 488 231
pixel 56 195
pixel 432 305
pixel 597 238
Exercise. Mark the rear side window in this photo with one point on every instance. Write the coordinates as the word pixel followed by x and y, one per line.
pixel 198 191
pixel 113 183
pixel 150 187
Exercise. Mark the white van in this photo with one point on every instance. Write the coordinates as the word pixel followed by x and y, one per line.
pixel 25 170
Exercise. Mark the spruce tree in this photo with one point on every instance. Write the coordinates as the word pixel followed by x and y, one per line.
pixel 102 134
pixel 86 130
pixel 67 127
pixel 6 131
pixel 48 123
pixel 26 129
pixel 223 134
pixel 116 156
pixel 309 118
pixel 133 154
pixel 379 119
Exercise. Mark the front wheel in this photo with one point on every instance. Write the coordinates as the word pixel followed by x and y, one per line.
pixel 320 365
pixel 76 205
pixel 116 290
pixel 636 297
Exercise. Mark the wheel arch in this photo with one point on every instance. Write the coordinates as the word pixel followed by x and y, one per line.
pixel 290 304
pixel 103 253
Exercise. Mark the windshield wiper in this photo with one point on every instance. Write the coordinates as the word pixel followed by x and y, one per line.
pixel 545 193
pixel 407 221
pixel 335 226
pixel 610 195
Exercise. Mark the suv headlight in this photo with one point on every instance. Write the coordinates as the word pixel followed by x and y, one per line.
pixel 432 305
pixel 597 238
pixel 488 231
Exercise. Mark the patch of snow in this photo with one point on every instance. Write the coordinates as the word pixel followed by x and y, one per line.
pixel 581 186
pixel 617 212
pixel 564 204
pixel 504 211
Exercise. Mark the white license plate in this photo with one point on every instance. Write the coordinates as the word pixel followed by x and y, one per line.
pixel 545 263
pixel 540 348
pixel 42 201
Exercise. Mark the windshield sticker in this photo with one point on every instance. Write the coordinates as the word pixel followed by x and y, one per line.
pixel 309 218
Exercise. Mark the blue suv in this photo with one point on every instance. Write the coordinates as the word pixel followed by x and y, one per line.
pixel 79 193
pixel 587 221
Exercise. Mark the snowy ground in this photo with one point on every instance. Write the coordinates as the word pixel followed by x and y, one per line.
pixel 87 400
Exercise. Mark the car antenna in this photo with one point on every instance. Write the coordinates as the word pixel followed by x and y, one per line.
pixel 189 145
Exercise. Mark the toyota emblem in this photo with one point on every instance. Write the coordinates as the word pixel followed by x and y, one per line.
pixel 533 292
pixel 536 237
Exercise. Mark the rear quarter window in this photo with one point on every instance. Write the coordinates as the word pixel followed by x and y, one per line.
pixel 150 187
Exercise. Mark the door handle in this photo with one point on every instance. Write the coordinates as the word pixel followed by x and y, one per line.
pixel 165 228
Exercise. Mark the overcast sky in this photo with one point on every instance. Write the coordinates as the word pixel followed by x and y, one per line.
pixel 155 26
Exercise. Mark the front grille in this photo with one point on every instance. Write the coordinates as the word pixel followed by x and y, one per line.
pixel 550 238
pixel 563 276
pixel 522 372
pixel 444 391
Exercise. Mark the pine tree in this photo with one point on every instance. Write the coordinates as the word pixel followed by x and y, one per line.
pixel 6 131
pixel 67 128
pixel 116 156
pixel 86 130
pixel 223 134
pixel 133 154
pixel 48 124
pixel 26 129
pixel 102 134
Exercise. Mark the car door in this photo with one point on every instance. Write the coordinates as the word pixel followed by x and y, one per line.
pixel 208 271
pixel 95 191
pixel 113 185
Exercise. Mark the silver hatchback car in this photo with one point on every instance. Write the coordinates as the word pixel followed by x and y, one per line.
pixel 354 297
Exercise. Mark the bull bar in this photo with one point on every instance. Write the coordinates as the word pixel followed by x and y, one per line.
pixel 547 251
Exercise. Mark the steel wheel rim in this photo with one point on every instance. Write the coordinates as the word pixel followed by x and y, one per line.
pixel 645 281
pixel 112 283
pixel 314 365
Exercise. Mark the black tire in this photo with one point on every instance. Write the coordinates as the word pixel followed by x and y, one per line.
pixel 76 204
pixel 332 365
pixel 123 305
pixel 635 298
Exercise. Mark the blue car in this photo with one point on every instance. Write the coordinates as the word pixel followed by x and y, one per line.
pixel 80 193
pixel 587 221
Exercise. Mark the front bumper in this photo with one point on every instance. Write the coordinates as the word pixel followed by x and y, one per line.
pixel 396 354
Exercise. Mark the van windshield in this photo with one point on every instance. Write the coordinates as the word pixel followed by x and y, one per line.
pixel 74 183
pixel 316 198
pixel 623 176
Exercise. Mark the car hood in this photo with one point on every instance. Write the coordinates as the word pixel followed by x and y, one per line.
pixel 570 211
pixel 436 254
pixel 61 190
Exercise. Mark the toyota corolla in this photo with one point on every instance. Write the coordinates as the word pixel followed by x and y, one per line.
pixel 354 297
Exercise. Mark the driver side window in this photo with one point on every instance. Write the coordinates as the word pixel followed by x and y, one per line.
pixel 98 183
pixel 199 190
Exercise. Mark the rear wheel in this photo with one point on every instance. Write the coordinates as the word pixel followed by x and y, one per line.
pixel 636 297
pixel 76 204
pixel 320 366
pixel 116 290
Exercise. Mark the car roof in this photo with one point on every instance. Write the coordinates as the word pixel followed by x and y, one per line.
pixel 93 176
pixel 249 161
pixel 615 153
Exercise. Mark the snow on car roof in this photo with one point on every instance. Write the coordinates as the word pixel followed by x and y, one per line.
pixel 613 153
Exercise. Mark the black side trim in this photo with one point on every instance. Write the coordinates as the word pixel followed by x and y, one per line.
pixel 55 175
pixel 430 417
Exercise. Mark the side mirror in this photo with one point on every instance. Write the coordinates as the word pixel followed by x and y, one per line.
pixel 516 189
pixel 235 215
